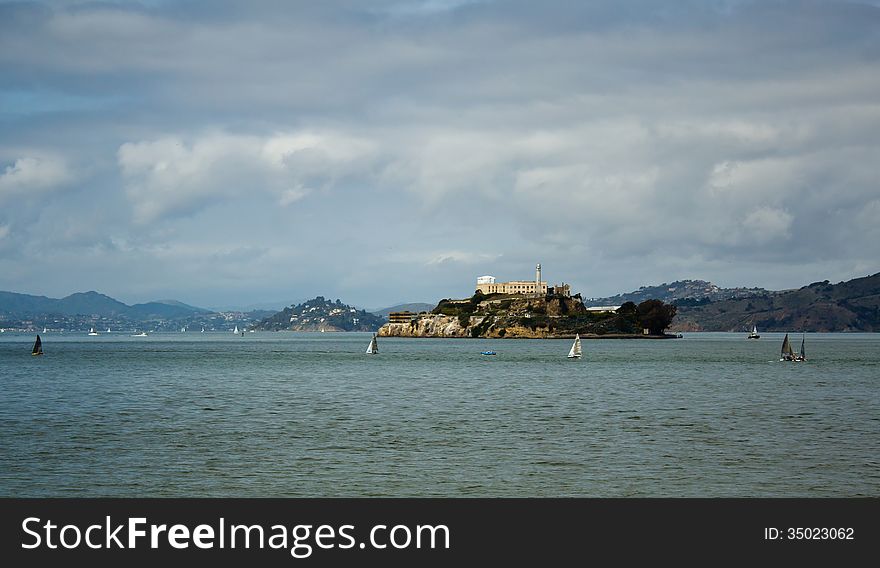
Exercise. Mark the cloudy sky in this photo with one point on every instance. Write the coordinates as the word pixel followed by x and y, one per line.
pixel 231 153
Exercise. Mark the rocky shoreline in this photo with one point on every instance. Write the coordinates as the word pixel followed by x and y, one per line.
pixel 450 330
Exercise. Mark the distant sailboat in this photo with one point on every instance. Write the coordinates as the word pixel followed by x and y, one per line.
pixel 44 330
pixel 203 330
pixel 108 330
pixel 38 347
pixel 235 331
pixel 93 332
pixel 575 352
pixel 803 353
pixel 787 353
pixel 374 347
pixel 754 333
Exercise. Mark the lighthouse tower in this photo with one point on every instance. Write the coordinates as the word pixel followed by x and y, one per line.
pixel 538 279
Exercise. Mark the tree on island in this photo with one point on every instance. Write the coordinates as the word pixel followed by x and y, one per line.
pixel 655 315
pixel 628 309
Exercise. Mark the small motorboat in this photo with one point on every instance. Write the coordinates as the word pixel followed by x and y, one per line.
pixel 488 353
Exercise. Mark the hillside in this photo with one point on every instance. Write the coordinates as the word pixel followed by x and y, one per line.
pixel 821 306
pixel 13 305
pixel 679 290
pixel 414 308
pixel 320 314
pixel 166 309
pixel 83 310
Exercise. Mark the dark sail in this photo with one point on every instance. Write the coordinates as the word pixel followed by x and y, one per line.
pixel 38 347
pixel 787 351
pixel 803 353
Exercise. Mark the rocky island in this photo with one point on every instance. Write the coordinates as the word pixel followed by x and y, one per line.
pixel 552 315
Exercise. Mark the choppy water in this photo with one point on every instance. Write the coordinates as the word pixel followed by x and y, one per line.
pixel 284 414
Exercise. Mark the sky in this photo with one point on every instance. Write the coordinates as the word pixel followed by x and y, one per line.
pixel 240 153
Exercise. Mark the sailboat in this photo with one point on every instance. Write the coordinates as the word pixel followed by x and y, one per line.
pixel 93 332
pixel 108 330
pixel 803 354
pixel 575 352
pixel 235 331
pixel 44 330
pixel 374 347
pixel 754 333
pixel 203 330
pixel 788 354
pixel 38 347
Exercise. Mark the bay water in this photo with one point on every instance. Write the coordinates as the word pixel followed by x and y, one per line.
pixel 302 415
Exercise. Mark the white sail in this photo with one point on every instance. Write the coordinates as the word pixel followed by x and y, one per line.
pixel 235 330
pixel 93 332
pixel 575 352
pixel 373 347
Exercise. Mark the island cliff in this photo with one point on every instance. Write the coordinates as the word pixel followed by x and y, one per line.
pixel 518 316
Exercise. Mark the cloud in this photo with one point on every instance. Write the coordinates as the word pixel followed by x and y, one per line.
pixel 462 257
pixel 169 177
pixel 617 142
pixel 34 174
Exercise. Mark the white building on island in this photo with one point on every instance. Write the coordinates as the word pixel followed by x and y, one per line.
pixel 537 287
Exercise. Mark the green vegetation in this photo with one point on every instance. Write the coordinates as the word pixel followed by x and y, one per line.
pixel 552 315
pixel 655 315
pixel 853 305
pixel 482 327
pixel 321 313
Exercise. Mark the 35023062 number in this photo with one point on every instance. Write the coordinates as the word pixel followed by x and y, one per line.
pixel 823 533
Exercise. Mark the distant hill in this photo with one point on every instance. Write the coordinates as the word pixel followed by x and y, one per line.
pixel 414 307
pixel 678 290
pixel 14 305
pixel 321 314
pixel 169 309
pixel 821 306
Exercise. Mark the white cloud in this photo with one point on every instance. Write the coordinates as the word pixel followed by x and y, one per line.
pixel 171 177
pixel 34 174
pixel 766 224
pixel 461 257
